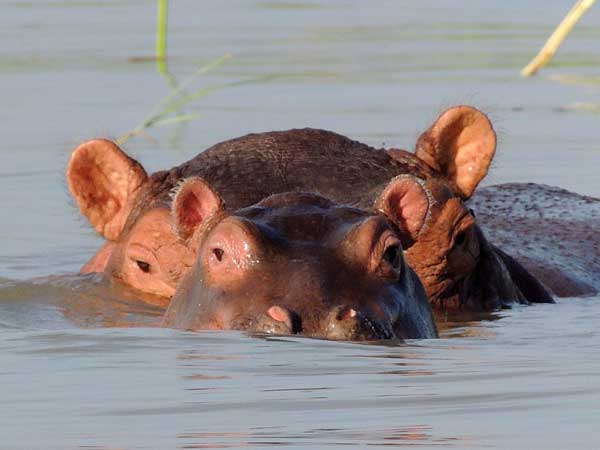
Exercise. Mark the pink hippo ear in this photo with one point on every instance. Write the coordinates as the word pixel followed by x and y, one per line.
pixel 194 202
pixel 406 202
pixel 103 180
pixel 460 145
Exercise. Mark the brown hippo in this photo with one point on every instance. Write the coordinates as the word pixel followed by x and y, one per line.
pixel 445 248
pixel 552 232
pixel 296 263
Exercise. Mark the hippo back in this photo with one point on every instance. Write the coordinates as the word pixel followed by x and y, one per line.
pixel 553 233
pixel 252 167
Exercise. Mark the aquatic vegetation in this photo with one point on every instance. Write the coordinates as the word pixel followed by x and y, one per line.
pixel 161 30
pixel 168 110
pixel 558 36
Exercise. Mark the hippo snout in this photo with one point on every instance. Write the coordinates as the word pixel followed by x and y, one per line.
pixel 298 264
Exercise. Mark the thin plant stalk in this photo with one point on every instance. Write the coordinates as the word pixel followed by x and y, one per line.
pixel 558 36
pixel 178 98
pixel 161 31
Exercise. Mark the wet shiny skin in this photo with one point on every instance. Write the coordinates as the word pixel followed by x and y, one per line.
pixel 300 264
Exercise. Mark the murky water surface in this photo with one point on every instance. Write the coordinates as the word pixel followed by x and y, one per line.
pixel 378 72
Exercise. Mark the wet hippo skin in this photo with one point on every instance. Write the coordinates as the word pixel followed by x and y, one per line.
pixel 553 233
pixel 457 266
pixel 295 263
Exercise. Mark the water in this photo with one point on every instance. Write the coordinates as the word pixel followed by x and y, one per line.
pixel 528 380
pixel 70 70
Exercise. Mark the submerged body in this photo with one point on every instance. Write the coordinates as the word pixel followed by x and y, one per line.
pixel 553 233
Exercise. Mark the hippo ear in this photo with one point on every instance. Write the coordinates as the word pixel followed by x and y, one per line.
pixel 103 180
pixel 194 202
pixel 460 145
pixel 406 202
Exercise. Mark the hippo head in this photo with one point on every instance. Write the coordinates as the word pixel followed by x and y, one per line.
pixel 458 267
pixel 295 263
pixel 131 210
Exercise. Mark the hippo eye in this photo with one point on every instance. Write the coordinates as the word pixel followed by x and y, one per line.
pixel 144 266
pixel 460 238
pixel 391 254
pixel 218 252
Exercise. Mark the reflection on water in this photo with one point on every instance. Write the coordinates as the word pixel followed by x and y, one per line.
pixel 74 300
pixel 534 369
pixel 277 436
pixel 379 75
pixel 526 378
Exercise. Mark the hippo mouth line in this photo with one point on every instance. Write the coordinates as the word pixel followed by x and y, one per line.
pixel 379 330
pixel 343 323
pixel 363 328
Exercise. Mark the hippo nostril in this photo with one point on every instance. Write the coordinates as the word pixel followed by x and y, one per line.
pixel 280 314
pixel 280 320
pixel 346 313
pixel 346 323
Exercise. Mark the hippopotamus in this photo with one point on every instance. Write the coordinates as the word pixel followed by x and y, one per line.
pixel 458 267
pixel 461 270
pixel 296 263
pixel 553 233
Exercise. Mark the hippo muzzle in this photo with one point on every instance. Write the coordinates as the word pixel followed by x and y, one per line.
pixel 299 264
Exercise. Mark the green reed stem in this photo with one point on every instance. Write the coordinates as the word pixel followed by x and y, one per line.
pixel 173 103
pixel 161 30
